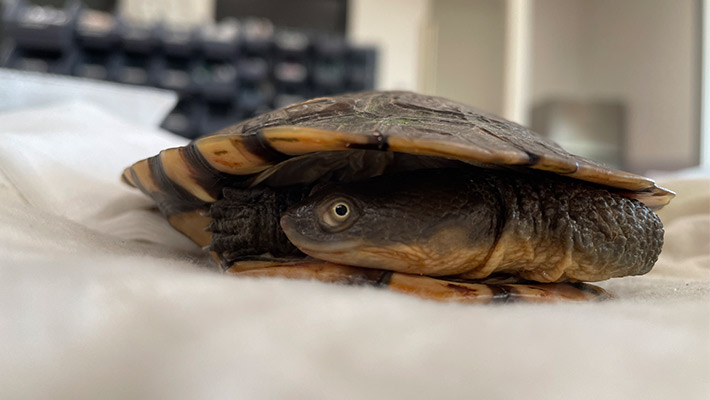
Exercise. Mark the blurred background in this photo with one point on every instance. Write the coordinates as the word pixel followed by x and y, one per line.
pixel 619 81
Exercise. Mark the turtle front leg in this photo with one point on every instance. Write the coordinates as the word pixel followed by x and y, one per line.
pixel 421 286
pixel 244 224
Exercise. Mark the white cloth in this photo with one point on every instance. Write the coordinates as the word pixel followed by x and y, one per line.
pixel 100 298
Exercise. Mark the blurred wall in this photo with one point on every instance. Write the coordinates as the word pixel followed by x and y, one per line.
pixel 452 48
pixel 395 27
pixel 465 42
pixel 643 52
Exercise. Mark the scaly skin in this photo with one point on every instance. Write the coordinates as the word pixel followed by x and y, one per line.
pixel 561 230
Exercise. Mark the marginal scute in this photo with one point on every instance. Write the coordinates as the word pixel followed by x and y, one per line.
pixel 654 198
pixel 554 163
pixel 596 173
pixel 455 151
pixel 227 153
pixel 127 177
pixel 294 140
pixel 142 178
pixel 192 224
pixel 181 173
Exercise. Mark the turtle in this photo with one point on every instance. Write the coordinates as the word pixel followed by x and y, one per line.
pixel 415 193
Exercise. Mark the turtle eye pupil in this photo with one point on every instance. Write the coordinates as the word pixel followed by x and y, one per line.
pixel 337 216
pixel 341 210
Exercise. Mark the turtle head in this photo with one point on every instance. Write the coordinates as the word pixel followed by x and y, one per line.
pixel 423 221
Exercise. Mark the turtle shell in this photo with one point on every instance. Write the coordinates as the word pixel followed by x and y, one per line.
pixel 185 180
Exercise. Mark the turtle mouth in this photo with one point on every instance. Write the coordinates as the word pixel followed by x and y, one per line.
pixel 321 249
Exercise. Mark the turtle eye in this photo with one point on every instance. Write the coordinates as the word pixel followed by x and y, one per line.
pixel 340 210
pixel 336 215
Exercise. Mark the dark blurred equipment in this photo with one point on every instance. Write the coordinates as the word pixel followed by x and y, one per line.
pixel 312 15
pixel 223 72
pixel 592 129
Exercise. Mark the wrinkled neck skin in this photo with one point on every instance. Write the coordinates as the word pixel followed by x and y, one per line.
pixel 433 222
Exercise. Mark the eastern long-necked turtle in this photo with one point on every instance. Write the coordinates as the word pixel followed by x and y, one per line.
pixel 415 193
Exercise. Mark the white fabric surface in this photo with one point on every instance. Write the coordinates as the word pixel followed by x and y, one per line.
pixel 99 298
